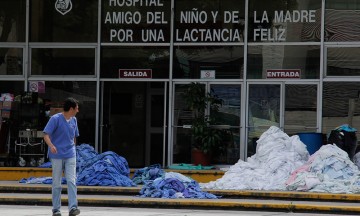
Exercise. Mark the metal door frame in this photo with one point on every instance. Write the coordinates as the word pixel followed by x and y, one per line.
pixel 207 84
pixel 282 84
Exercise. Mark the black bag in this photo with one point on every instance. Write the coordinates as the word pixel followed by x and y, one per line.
pixel 345 140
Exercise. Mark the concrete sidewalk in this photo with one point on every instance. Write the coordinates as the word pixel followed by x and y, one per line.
pixel 21 210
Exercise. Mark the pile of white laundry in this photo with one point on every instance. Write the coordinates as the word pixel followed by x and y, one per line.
pixel 327 170
pixel 282 162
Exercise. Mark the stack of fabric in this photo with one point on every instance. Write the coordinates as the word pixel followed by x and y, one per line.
pixel 328 170
pixel 174 185
pixel 277 156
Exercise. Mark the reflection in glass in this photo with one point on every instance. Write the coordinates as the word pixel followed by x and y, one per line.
pixel 62 61
pixel 79 24
pixel 280 57
pixel 115 58
pixel 136 23
pixel 209 21
pixel 226 62
pixel 11 61
pixel 342 20
pixel 300 108
pixel 12 20
pixel 228 119
pixel 182 135
pixel 341 105
pixel 284 21
pixel 264 111
pixel 12 87
pixel 343 61
pixel 85 92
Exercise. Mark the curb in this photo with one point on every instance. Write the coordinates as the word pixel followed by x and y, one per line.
pixel 259 205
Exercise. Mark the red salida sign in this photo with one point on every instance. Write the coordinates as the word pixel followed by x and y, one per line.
pixel 135 73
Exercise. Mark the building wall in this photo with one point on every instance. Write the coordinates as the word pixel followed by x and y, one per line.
pixel 74 47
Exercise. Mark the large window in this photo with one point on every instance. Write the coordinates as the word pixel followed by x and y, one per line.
pixel 12 20
pixel 135 62
pixel 276 61
pixel 65 21
pixel 342 20
pixel 284 21
pixel 222 62
pixel 341 105
pixel 300 108
pixel 85 92
pixel 12 87
pixel 343 61
pixel 136 21
pixel 209 21
pixel 11 61
pixel 62 61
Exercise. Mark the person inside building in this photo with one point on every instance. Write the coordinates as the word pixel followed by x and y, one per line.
pixel 60 136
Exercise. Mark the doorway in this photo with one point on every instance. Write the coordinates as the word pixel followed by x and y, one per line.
pixel 133 119
pixel 228 119
pixel 291 106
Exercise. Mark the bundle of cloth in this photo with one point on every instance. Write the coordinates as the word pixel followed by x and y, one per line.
pixel 277 156
pixel 174 185
pixel 94 169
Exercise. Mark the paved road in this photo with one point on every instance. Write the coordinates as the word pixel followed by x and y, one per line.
pixel 21 210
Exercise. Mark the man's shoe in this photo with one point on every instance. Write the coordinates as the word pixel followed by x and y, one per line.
pixel 74 211
pixel 57 213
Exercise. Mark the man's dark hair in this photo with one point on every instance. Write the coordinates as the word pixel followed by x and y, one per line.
pixel 70 102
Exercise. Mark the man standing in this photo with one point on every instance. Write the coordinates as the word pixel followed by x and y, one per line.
pixel 60 136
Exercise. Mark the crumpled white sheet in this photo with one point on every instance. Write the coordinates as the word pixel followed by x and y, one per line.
pixel 277 156
pixel 283 163
pixel 328 170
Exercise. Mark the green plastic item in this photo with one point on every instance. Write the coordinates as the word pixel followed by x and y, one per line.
pixel 183 166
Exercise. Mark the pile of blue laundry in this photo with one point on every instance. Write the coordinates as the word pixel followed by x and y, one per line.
pixel 110 169
pixel 105 169
pixel 151 172
pixel 174 185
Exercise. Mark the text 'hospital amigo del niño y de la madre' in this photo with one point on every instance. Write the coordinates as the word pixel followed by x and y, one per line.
pixel 192 19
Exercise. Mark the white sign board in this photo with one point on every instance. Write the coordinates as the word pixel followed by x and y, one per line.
pixel 207 74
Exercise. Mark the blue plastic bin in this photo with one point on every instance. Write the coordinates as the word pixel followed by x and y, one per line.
pixel 313 141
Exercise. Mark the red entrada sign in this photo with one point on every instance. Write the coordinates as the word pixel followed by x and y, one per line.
pixel 283 73
pixel 135 73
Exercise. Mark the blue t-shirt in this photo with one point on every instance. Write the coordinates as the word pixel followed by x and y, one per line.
pixel 62 134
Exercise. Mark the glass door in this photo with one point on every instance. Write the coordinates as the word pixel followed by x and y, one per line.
pixel 291 106
pixel 263 111
pixel 226 119
pixel 300 108
pixel 133 121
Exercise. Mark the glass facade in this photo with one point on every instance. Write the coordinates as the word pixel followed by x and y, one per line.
pixel 74 21
pixel 12 20
pixel 114 59
pixel 284 21
pixel 299 59
pixel 191 61
pixel 62 61
pixel 292 64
